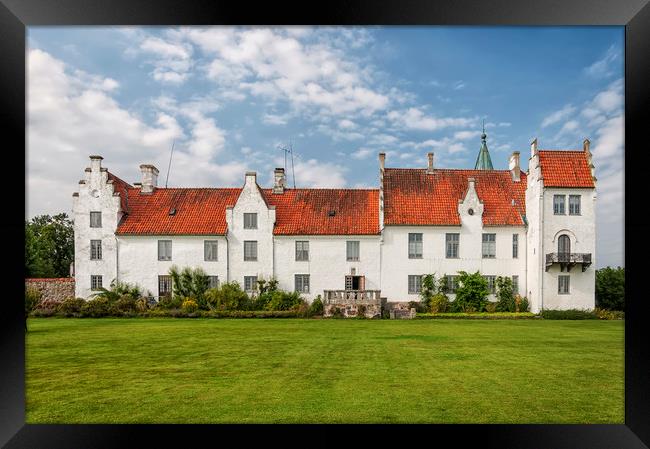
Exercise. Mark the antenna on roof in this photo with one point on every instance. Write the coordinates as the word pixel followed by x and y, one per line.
pixel 288 150
pixel 170 162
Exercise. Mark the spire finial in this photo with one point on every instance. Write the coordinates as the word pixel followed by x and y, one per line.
pixel 483 136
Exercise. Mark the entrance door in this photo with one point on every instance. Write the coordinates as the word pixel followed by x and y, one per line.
pixel 355 282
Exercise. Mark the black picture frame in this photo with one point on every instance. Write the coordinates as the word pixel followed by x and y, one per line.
pixel 16 15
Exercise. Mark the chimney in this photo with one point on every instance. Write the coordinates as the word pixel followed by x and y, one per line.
pixel 95 163
pixel 514 167
pixel 149 178
pixel 280 181
pixel 382 162
pixel 382 168
pixel 430 166
pixel 251 177
pixel 585 146
pixel 533 147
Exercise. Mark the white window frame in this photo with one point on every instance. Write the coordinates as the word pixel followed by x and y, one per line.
pixel 491 281
pixel 352 250
pixel 299 283
pixel 515 246
pixel 573 205
pixel 564 288
pixel 415 245
pixel 414 284
pixel 452 245
pixel 253 280
pixel 95 250
pixel 164 279
pixel 252 245
pixel 302 250
pixel 515 284
pixel 452 283
pixel 559 207
pixel 250 220
pixel 98 222
pixel 489 246
pixel 96 282
pixel 164 250
pixel 213 246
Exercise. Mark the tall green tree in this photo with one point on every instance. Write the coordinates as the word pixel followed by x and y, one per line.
pixel 610 288
pixel 49 246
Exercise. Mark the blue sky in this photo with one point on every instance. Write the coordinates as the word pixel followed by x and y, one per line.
pixel 228 97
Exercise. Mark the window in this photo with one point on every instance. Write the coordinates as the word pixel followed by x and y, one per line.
pixel 250 283
pixel 415 246
pixel 574 204
pixel 210 250
pixel 452 245
pixel 213 281
pixel 302 250
pixel 563 284
pixel 558 204
pixel 95 250
pixel 95 282
pixel 302 283
pixel 164 285
pixel 352 251
pixel 250 250
pixel 95 219
pixel 515 246
pixel 515 284
pixel 250 221
pixel 415 283
pixel 489 246
pixel 452 284
pixel 490 281
pixel 164 250
pixel 564 245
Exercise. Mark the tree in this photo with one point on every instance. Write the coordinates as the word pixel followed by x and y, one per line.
pixel 610 288
pixel 49 246
pixel 472 292
pixel 506 299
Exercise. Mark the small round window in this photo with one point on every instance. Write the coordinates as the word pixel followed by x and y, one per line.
pixel 470 211
pixel 95 193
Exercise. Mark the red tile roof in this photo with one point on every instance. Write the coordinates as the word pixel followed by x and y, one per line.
pixel 561 168
pixel 413 197
pixel 120 187
pixel 198 211
pixel 298 211
pixel 306 211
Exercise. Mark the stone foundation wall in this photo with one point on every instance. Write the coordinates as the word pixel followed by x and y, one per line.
pixel 52 289
pixel 353 310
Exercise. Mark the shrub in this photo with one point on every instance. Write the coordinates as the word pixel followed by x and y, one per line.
pixel 168 302
pixel 189 305
pixel 142 304
pixel 71 306
pixel 118 290
pixel 491 307
pixel 472 292
pixel 33 298
pixel 610 288
pixel 521 304
pixel 419 306
pixel 281 300
pixel 229 296
pixel 192 283
pixel 97 307
pixel 316 307
pixel 126 303
pixel 428 289
pixel 571 314
pixel 505 297
pixel 439 303
pixel 605 314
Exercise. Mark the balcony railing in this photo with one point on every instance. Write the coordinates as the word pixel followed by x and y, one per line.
pixel 352 296
pixel 568 260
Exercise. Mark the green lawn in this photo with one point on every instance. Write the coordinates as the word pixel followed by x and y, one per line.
pixel 293 370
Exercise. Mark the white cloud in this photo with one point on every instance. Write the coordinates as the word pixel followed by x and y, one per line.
pixel 314 173
pixel 466 135
pixel 362 153
pixel 604 67
pixel 558 116
pixel 347 124
pixel 275 119
pixel 460 84
pixel 414 118
pixel 172 61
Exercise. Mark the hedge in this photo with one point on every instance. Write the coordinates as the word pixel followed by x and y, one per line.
pixel 478 315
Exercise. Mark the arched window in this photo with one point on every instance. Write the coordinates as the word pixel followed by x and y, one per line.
pixel 564 244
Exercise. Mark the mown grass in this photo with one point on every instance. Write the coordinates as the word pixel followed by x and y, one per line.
pixel 158 370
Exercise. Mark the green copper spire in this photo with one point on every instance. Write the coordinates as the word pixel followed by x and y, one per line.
pixel 483 161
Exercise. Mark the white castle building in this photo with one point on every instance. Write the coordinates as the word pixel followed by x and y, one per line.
pixel 536 227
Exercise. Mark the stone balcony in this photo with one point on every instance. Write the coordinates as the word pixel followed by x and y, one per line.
pixel 568 260
pixel 352 297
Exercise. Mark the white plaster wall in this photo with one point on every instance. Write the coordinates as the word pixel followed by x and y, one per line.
pixel 533 215
pixel 327 265
pixel 581 230
pixel 139 264
pixel 108 202
pixel 396 266
pixel 250 201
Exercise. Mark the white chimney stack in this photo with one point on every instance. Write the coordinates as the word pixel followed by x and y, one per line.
pixel 149 178
pixel 95 163
pixel 280 181
pixel 430 166
pixel 514 166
